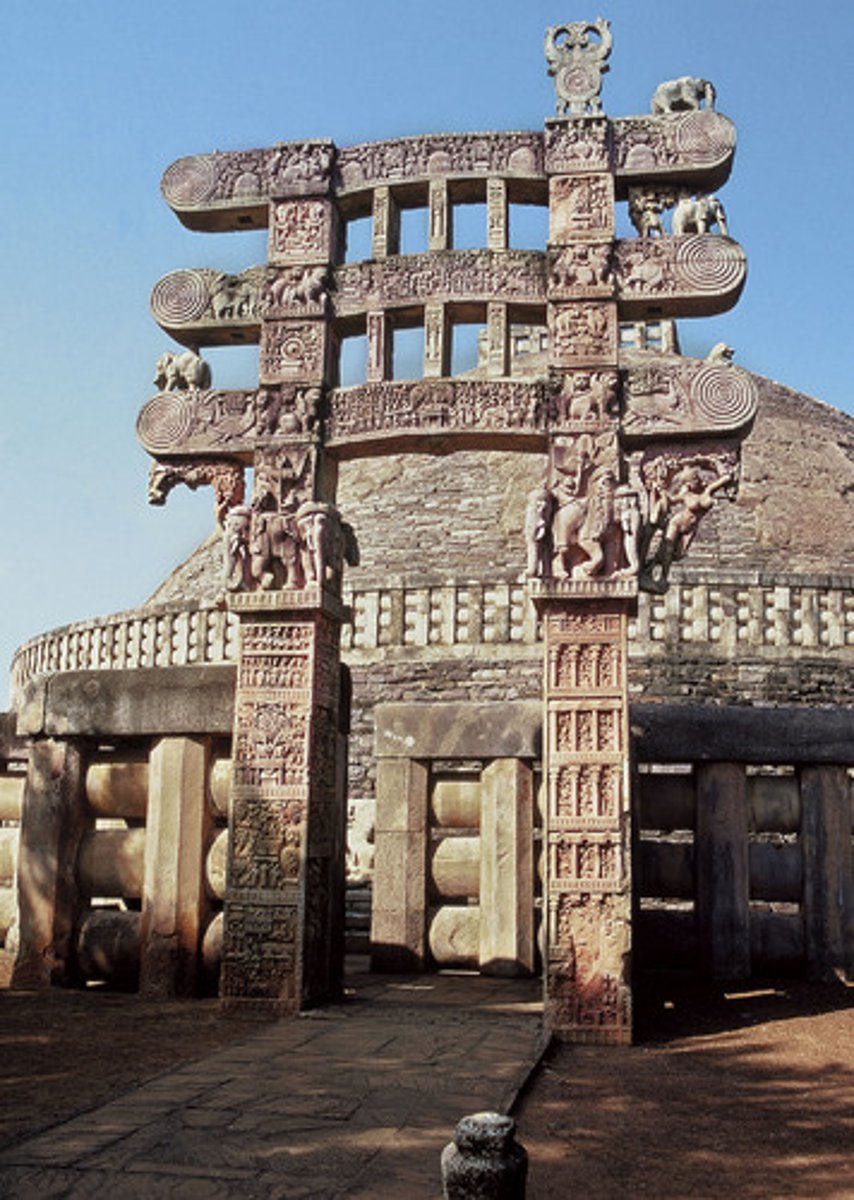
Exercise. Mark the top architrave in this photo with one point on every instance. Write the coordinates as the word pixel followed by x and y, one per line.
pixel 232 190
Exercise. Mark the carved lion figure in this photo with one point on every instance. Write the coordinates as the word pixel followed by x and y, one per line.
pixel 682 95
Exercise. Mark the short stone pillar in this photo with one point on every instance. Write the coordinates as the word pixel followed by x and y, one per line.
pixel 53 821
pixel 173 897
pixel 484 1161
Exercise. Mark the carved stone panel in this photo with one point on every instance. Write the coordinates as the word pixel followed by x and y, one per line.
pixel 294 351
pixel 302 231
pixel 686 396
pixel 582 270
pixel 283 805
pixel 448 407
pixel 696 148
pixel 204 307
pixel 573 146
pixel 581 208
pixel 583 334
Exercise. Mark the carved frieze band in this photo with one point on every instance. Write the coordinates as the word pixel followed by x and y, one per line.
pixel 205 306
pixel 686 396
pixel 673 146
pixel 243 177
pixel 204 422
pixel 371 163
pixel 699 274
pixel 446 406
pixel 451 274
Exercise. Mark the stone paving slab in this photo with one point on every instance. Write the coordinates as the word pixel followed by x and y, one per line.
pixel 355 1100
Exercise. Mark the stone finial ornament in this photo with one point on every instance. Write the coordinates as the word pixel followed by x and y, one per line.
pixel 577 65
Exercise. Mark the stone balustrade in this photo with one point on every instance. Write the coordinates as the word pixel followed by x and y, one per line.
pixel 706 614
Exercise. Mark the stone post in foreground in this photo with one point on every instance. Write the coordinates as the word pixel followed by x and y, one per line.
pixel 484 1161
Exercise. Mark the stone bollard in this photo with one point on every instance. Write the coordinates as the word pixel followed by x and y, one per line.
pixel 484 1162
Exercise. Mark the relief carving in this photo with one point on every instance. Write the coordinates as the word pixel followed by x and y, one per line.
pixel 644 146
pixel 300 231
pixel 682 485
pixel 440 154
pixel 189 422
pixel 583 269
pixel 580 206
pixel 572 146
pixel 463 405
pixel 695 268
pixel 582 333
pixel 449 275
pixel 225 477
pixel 292 350
pixel 687 396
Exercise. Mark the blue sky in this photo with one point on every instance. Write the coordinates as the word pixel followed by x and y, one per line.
pixel 96 100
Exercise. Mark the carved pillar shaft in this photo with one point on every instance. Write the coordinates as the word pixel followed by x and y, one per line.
pixel 436 341
pixel 286 849
pixel 588 827
pixel 379 348
pixel 440 236
pixel 385 238
pixel 497 215
pixel 498 341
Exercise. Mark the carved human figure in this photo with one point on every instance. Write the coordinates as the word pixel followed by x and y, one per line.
pixel 676 508
pixel 236 532
pixel 627 509
pixel 645 208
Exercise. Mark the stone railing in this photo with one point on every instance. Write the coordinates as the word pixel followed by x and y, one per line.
pixel 722 613
pixel 155 637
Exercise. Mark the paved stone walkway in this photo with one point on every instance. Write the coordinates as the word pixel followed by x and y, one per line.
pixel 355 1100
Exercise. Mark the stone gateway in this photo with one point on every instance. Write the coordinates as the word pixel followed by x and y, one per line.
pixel 540 625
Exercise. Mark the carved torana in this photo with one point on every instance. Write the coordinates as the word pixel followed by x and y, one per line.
pixel 636 450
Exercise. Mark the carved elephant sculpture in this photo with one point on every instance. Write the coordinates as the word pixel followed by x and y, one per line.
pixel 698 216
pixel 329 542
pixel 181 372
pixel 275 551
pixel 682 95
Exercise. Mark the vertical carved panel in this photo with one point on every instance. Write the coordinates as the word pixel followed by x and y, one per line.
pixel 497 223
pixel 284 844
pixel 587 819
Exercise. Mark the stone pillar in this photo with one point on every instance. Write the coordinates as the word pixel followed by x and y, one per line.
pixel 506 868
pixel 497 340
pixel 588 820
pixel 173 894
pixel 399 929
pixel 436 342
pixel 497 222
pixel 379 348
pixel 722 870
pixel 828 897
pixel 286 858
pixel 441 232
pixel 385 239
pixel 53 821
